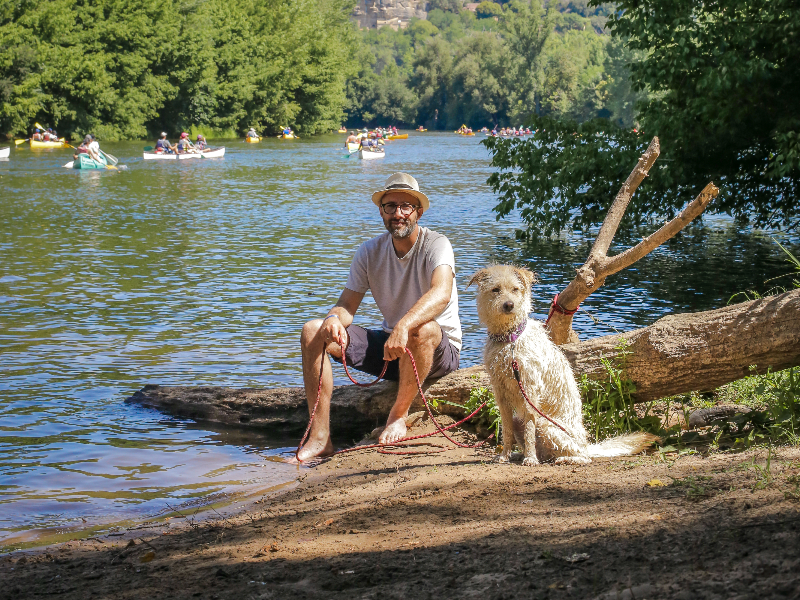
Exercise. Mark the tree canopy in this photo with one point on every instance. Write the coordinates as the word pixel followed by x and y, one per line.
pixel 717 82
pixel 458 68
pixel 123 68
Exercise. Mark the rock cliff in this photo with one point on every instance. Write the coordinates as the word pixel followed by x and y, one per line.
pixel 395 13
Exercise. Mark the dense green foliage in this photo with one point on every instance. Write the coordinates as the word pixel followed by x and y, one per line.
pixel 719 82
pixel 123 68
pixel 497 66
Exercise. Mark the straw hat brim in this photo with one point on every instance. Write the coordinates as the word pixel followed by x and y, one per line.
pixel 423 199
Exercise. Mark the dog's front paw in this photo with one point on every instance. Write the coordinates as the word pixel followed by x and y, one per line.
pixel 529 461
pixel 500 458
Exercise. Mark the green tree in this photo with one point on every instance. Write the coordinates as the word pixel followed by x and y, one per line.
pixel 487 10
pixel 720 81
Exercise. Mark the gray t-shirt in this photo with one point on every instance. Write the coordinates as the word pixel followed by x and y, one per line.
pixel 398 283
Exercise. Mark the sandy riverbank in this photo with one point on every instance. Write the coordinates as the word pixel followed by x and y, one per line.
pixel 454 525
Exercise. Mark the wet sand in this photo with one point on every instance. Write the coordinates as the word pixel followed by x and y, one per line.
pixel 455 525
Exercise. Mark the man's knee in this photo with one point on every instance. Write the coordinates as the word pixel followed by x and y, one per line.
pixel 310 331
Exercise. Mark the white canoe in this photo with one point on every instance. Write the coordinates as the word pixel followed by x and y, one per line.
pixel 209 153
pixel 5 152
pixel 371 154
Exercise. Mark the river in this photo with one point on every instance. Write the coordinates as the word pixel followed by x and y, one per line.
pixel 202 272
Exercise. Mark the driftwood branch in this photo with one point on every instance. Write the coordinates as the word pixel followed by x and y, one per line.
pixel 679 353
pixel 598 265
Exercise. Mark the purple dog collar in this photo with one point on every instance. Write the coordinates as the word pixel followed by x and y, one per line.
pixel 511 336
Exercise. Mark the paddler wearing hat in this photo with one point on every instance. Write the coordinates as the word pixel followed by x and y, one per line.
pixel 410 271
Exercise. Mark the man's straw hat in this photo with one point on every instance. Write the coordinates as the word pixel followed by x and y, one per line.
pixel 402 182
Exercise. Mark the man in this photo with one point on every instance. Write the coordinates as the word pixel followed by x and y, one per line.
pixel 351 139
pixel 94 148
pixel 410 271
pixel 163 145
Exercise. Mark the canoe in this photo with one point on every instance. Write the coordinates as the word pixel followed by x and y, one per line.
pixel 252 140
pixel 470 133
pixel 401 136
pixel 371 154
pixel 352 146
pixel 287 136
pixel 84 161
pixel 35 144
pixel 420 129
pixel 343 130
pixel 5 152
pixel 207 153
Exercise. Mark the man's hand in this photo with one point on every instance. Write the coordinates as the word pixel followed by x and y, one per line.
pixel 334 331
pixel 395 346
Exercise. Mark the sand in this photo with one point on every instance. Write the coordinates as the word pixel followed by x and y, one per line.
pixel 455 525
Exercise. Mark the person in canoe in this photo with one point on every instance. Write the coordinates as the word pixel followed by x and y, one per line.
pixel 287 131
pixel 185 146
pixel 163 146
pixel 201 144
pixel 37 135
pixel 351 139
pixel 83 147
pixel 252 134
pixel 94 148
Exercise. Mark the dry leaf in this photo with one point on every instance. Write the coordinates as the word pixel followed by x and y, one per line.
pixel 148 557
pixel 655 483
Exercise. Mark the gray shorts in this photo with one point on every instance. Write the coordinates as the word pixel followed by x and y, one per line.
pixel 365 353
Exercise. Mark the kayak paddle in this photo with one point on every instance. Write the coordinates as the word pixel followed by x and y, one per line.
pixel 18 142
pixel 148 148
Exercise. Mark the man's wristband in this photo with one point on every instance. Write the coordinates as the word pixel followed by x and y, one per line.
pixel 329 316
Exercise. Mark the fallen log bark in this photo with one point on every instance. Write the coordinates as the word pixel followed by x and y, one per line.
pixel 678 353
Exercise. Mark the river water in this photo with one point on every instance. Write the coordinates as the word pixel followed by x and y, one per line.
pixel 202 272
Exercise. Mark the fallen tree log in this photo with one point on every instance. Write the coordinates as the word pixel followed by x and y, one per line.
pixel 678 353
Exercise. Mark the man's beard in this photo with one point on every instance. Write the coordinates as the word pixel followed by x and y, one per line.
pixel 401 231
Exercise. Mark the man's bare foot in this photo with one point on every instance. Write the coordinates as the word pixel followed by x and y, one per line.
pixel 315 449
pixel 394 431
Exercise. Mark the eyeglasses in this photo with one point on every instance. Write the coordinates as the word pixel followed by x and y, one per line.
pixel 406 209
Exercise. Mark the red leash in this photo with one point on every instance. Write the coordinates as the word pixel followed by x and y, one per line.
pixel 515 369
pixel 555 307
pixel 382 447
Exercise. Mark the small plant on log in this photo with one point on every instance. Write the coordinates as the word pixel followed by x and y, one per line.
pixel 608 406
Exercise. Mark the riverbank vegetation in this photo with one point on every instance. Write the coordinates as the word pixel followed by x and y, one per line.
pixel 481 69
pixel 717 82
pixel 131 68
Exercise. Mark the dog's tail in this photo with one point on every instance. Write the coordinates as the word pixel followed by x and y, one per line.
pixel 623 445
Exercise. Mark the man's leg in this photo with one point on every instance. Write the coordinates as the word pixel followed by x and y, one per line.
pixel 313 348
pixel 422 342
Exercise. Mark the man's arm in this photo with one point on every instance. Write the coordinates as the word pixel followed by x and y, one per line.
pixel 341 316
pixel 427 308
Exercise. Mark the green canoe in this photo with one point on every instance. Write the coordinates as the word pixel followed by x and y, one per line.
pixel 84 161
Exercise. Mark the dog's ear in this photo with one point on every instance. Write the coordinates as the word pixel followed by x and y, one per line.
pixel 479 277
pixel 528 278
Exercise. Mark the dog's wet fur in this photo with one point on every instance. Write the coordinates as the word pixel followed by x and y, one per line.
pixel 504 302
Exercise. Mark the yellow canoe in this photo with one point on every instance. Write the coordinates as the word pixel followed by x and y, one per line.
pixel 287 136
pixel 420 129
pixel 252 140
pixel 352 147
pixel 35 144
pixel 402 136
pixel 343 130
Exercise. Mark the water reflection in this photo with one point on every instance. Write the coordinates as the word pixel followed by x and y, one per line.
pixel 202 272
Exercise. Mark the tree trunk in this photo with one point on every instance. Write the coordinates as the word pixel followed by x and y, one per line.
pixel 700 351
pixel 679 353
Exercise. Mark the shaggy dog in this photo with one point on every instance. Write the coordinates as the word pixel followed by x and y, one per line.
pixel 504 301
